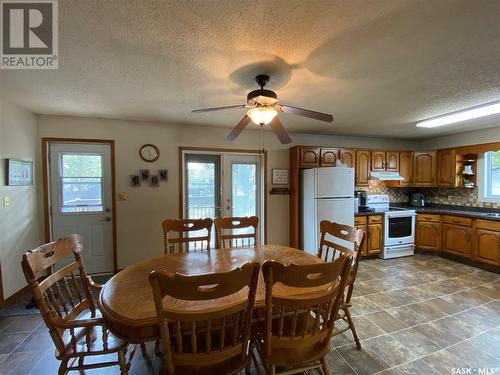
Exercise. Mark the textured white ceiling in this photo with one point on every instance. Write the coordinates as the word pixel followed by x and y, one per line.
pixel 379 66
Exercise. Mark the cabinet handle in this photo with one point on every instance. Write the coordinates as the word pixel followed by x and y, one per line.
pixel 467 236
pixel 455 221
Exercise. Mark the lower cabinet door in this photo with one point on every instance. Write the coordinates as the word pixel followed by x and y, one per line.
pixel 487 246
pixel 428 236
pixel 375 240
pixel 457 240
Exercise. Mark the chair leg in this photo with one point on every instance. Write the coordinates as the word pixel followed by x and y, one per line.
pixel 123 362
pixel 324 366
pixel 272 370
pixel 63 367
pixel 144 351
pixel 351 326
pixel 157 348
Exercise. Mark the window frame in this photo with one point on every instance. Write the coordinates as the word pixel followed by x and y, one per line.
pixel 485 179
pixel 61 183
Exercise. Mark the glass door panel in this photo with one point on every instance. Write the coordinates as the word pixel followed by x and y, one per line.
pixel 202 188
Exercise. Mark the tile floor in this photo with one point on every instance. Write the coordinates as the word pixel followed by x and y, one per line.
pixel 417 315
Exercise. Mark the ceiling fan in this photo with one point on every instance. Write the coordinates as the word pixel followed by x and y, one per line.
pixel 263 108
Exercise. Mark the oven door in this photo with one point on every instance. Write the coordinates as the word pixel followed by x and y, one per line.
pixel 399 228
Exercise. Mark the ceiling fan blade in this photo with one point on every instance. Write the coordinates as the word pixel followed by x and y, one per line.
pixel 306 113
pixel 280 131
pixel 219 108
pixel 237 129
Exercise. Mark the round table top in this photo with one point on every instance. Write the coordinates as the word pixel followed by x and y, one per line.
pixel 126 300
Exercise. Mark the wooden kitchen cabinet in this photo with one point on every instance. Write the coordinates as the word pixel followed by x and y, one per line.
pixel 446 168
pixel 309 157
pixel 328 157
pixel 378 161
pixel 424 168
pixel 385 161
pixel 362 167
pixel 392 161
pixel 347 157
pixel 457 240
pixel 428 235
pixel 375 239
pixel 487 242
pixel 405 168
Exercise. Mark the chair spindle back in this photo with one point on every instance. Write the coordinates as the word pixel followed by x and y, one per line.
pixel 229 231
pixel 186 235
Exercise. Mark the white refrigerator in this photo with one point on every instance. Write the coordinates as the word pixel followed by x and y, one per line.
pixel 327 194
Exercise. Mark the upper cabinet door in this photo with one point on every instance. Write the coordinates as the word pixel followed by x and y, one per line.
pixel 392 161
pixel 424 168
pixel 446 168
pixel 348 157
pixel 328 157
pixel 405 164
pixel 362 167
pixel 309 157
pixel 378 160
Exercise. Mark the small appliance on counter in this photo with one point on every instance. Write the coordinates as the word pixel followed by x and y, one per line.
pixel 362 196
pixel 417 200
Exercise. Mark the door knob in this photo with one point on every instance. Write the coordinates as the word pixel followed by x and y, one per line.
pixel 107 218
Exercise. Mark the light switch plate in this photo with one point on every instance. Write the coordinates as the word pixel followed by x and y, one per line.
pixel 122 196
pixel 6 201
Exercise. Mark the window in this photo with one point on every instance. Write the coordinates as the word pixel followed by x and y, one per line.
pixel 492 175
pixel 81 183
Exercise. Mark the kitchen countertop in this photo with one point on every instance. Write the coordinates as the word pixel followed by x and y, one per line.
pixel 445 209
pixel 368 213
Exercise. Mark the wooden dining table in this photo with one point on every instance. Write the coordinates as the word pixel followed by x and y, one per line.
pixel 126 300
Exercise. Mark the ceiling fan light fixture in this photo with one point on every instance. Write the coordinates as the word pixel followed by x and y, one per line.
pixel 262 115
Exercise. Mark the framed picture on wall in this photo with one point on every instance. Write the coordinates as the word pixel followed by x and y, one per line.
pixel 18 172
pixel 279 177
pixel 145 174
pixel 163 173
pixel 154 181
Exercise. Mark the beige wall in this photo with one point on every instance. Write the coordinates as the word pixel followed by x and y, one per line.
pixel 462 139
pixel 138 219
pixel 19 223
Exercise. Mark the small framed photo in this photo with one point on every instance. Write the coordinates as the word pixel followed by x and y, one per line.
pixel 135 180
pixel 18 172
pixel 145 174
pixel 154 181
pixel 163 174
pixel 279 177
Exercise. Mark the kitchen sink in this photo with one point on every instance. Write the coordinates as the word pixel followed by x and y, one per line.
pixel 491 214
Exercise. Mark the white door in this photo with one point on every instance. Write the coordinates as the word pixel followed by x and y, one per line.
pixel 81 199
pixel 242 188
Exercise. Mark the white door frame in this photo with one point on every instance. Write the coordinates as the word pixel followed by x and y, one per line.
pixel 46 141
pixel 221 152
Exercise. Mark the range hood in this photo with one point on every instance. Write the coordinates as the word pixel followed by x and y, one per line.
pixel 386 176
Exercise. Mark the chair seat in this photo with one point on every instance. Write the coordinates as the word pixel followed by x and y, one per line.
pixel 229 366
pixel 294 357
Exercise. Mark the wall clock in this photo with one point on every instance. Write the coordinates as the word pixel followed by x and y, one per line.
pixel 149 153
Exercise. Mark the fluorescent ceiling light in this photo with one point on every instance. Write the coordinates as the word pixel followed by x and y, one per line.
pixel 468 114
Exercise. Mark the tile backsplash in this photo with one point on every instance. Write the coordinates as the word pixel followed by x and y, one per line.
pixel 455 196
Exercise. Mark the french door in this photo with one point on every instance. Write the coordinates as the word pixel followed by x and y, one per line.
pixel 223 184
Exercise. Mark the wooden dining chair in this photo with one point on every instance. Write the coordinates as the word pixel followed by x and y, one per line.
pixel 225 227
pixel 298 328
pixel 65 302
pixel 205 319
pixel 337 239
pixel 176 235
